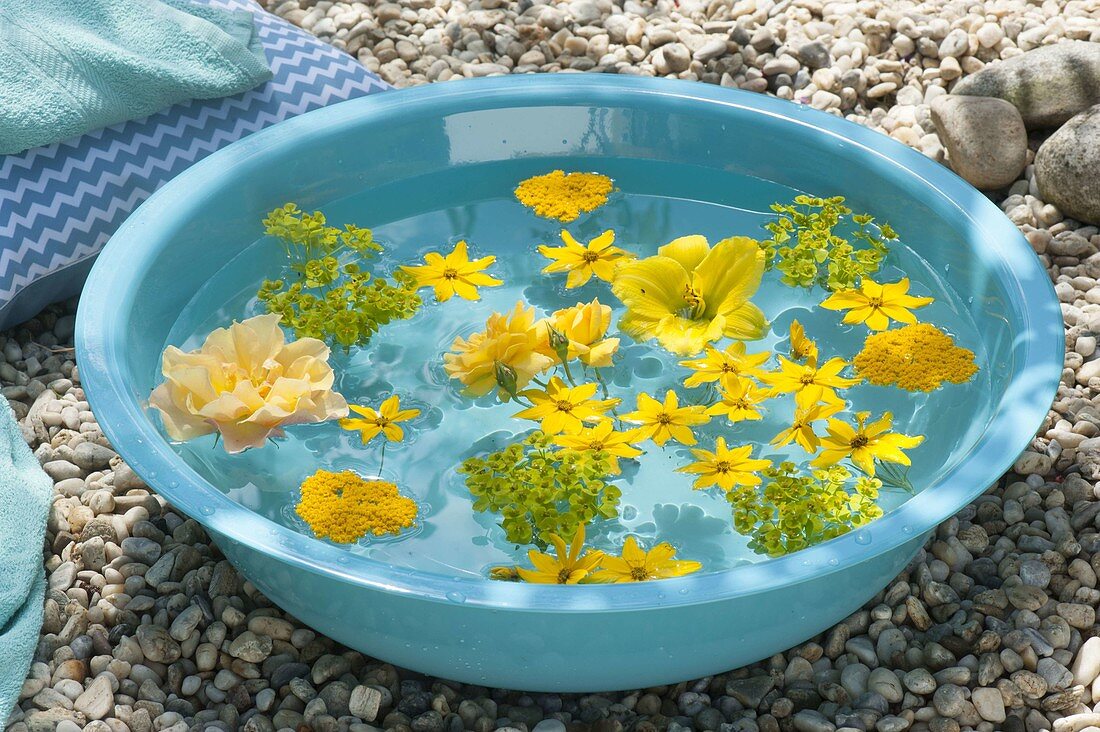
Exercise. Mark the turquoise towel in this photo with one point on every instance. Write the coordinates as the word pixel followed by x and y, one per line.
pixel 25 493
pixel 71 66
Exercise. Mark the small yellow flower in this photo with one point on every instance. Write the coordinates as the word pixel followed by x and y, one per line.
pixel 724 467
pixel 585 325
pixel 603 438
pixel 597 257
pixel 562 408
pixel 504 574
pixel 381 421
pixel 865 442
pixel 691 294
pixel 453 274
pixel 638 565
pixel 802 428
pixel 801 347
pixel 809 382
pixel 876 305
pixel 509 342
pixel 568 568
pixel 740 400
pixel 662 422
pixel 564 196
pixel 716 365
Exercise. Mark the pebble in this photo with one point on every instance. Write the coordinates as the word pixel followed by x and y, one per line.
pixel 985 139
pixel 1067 166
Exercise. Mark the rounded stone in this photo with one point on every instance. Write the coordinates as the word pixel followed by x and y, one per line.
pixel 985 139
pixel 1067 167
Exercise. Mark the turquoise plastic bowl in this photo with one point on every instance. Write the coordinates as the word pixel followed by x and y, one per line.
pixel 548 637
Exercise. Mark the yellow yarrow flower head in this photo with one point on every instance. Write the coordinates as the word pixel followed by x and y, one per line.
pixel 809 382
pixel 345 507
pixel 740 400
pixel 598 257
pixel 717 365
pixel 637 565
pixel 876 305
pixel 560 408
pixel 603 438
pixel 510 346
pixel 864 443
pixel 691 294
pixel 801 347
pixel 373 422
pixel 801 430
pixel 564 196
pixel 661 422
pixel 453 274
pixel 584 326
pixel 569 566
pixel 724 467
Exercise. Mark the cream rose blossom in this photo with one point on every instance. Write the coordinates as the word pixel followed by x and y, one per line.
pixel 247 383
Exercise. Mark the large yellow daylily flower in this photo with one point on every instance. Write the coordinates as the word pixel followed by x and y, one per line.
pixel 568 568
pixel 865 442
pixel 716 365
pixel 727 468
pixel 637 565
pixel 662 422
pixel 597 257
pixel 809 382
pixel 561 408
pixel 453 274
pixel 383 421
pixel 876 305
pixel 690 294
pixel 603 438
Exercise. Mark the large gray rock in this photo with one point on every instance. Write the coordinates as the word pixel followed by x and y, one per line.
pixel 985 139
pixel 1048 85
pixel 1067 167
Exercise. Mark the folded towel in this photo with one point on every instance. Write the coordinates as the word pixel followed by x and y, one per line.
pixel 25 493
pixel 72 66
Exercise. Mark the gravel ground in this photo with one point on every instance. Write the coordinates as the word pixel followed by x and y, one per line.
pixel 992 627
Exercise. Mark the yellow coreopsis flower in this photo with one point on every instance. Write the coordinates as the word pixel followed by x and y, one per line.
pixel 662 422
pixel 724 467
pixel 637 565
pixel 372 422
pixel 584 325
pixel 740 400
pixel 560 408
pixel 716 365
pixel 690 294
pixel 453 274
pixel 598 257
pixel 568 568
pixel 801 347
pixel 801 430
pixel 809 382
pixel 863 443
pixel 510 344
pixel 876 305
pixel 603 437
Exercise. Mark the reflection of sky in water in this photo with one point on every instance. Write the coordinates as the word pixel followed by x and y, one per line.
pixel 658 503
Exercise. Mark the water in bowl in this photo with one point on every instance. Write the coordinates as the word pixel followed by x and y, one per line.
pixel 658 504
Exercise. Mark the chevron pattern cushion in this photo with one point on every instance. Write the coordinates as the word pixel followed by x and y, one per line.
pixel 60 203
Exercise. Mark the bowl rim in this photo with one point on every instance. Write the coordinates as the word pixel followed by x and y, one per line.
pixel 100 338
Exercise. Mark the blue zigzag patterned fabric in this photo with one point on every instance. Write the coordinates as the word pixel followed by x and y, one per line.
pixel 59 204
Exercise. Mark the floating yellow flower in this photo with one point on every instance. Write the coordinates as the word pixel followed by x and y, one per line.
pixel 740 400
pixel 637 565
pixel 662 422
pixel 724 467
pixel 560 408
pixel 584 325
pixel 690 294
pixel 372 422
pixel 508 351
pixel 597 257
pixel 568 568
pixel 801 430
pixel 801 347
pixel 809 382
pixel 875 304
pixel 915 357
pixel 344 507
pixel 453 274
pixel 603 437
pixel 562 196
pixel 247 383
pixel 716 365
pixel 865 443
pixel 504 574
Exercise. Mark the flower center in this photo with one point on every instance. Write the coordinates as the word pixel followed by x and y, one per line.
pixel 743 404
pixel 638 574
pixel 807 378
pixel 875 302
pixel 563 576
pixel 859 441
pixel 723 466
pixel 450 273
pixel 381 421
pixel 664 418
pixel 564 405
pixel 729 368
pixel 590 256
pixel 693 300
